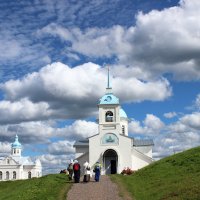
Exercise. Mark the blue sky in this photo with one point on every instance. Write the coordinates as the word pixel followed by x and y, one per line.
pixel 53 58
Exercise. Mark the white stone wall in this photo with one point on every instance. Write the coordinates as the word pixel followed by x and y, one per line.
pixel 10 170
pixel 125 124
pixel 147 150
pixel 21 170
pixel 80 151
pixel 140 160
pixel 138 163
pixel 34 169
pixel 123 150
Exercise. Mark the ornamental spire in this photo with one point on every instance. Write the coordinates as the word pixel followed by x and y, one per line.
pixel 108 84
pixel 16 138
pixel 109 88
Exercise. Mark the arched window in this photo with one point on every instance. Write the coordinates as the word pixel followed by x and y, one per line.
pixel 1 175
pixel 8 161
pixel 29 175
pixel 109 116
pixel 14 175
pixel 7 175
pixel 123 129
pixel 14 151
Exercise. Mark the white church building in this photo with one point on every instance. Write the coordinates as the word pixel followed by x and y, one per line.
pixel 112 146
pixel 15 166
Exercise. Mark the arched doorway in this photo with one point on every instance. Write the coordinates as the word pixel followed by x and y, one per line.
pixel 110 160
pixel 29 175
pixel 7 175
pixel 14 175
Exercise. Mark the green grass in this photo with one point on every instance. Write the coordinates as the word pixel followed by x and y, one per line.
pixel 50 187
pixel 173 178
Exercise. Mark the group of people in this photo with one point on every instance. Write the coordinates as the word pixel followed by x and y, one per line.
pixel 74 170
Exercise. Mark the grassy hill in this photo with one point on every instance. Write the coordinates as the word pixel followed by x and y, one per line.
pixel 175 177
pixel 51 187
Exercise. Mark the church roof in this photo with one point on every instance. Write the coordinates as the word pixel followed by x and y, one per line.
pixel 16 143
pixel 23 160
pixel 122 113
pixel 82 143
pixel 109 98
pixel 143 143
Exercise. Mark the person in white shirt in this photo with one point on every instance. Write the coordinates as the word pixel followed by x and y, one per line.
pixel 87 172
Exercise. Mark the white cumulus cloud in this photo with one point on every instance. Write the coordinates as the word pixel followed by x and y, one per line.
pixel 5 148
pixel 60 92
pixel 78 130
pixel 165 41
pixel 191 120
pixel 22 110
pixel 150 127
pixel 61 147
pixel 170 114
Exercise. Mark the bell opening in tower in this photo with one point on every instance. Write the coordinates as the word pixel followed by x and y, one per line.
pixel 109 116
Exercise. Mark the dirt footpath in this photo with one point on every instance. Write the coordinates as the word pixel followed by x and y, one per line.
pixel 102 190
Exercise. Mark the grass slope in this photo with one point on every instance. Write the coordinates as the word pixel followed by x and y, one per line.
pixel 175 177
pixel 51 187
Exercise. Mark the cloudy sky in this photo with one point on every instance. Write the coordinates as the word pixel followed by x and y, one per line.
pixel 53 59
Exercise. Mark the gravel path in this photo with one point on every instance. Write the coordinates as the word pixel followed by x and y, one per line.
pixel 105 189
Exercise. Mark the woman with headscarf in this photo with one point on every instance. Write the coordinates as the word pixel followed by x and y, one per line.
pixel 87 172
pixel 97 170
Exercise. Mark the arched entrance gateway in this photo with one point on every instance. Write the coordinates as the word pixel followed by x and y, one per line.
pixel 110 161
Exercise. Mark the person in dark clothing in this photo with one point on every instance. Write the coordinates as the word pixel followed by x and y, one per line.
pixel 97 170
pixel 77 171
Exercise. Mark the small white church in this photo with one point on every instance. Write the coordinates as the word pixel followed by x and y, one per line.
pixel 15 166
pixel 112 146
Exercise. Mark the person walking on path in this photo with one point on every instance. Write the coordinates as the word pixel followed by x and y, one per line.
pixel 97 171
pixel 77 171
pixel 87 172
pixel 70 170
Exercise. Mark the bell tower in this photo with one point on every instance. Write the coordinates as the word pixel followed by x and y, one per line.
pixel 109 108
pixel 16 148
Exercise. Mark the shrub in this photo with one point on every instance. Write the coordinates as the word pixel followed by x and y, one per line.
pixel 127 171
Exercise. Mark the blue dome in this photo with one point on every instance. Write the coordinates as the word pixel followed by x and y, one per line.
pixel 16 144
pixel 122 113
pixel 109 99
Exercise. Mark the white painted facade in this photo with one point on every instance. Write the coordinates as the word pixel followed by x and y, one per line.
pixel 111 146
pixel 15 166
